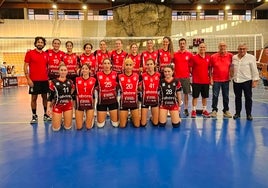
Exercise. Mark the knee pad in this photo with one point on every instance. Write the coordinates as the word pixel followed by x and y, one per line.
pixel 67 128
pixel 175 125
pixel 55 129
pixel 162 124
pixel 114 124
pixel 100 125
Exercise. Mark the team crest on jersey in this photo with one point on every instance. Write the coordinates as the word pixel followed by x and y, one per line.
pixel 113 76
pixel 128 80
pixel 90 82
pixel 168 86
pixel 107 79
pixel 100 77
pixel 85 84
pixel 151 80
pixel 122 79
pixel 146 78
pixel 174 84
pixel 187 57
pixel 163 84
pixel 79 82
pixel 50 54
pixel 135 78
pixel 57 83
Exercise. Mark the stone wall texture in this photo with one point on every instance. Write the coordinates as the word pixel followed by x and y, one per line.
pixel 140 20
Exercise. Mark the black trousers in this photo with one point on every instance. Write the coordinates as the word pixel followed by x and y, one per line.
pixel 245 87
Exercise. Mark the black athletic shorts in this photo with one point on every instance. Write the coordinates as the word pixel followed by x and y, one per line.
pixel 39 87
pixel 105 107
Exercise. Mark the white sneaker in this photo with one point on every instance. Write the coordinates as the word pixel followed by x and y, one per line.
pixel 213 114
pixel 227 114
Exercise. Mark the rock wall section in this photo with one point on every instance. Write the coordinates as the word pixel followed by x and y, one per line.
pixel 140 20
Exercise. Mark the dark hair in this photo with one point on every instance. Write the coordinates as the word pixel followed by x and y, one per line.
pixel 170 45
pixel 39 38
pixel 150 59
pixel 169 66
pixel 266 47
pixel 89 45
pixel 69 42
pixel 55 40
pixel 86 64
pixel 182 39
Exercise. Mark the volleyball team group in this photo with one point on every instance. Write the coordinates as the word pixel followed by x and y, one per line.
pixel 123 85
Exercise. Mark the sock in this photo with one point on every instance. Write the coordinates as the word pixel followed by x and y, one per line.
pixel 204 108
pixel 34 111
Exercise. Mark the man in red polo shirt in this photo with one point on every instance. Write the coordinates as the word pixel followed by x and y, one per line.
pixel 199 67
pixel 182 71
pixel 220 63
pixel 36 73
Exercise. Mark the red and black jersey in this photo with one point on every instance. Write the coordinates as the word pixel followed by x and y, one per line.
pixel 137 62
pixel 89 59
pixel 38 62
pixel 85 92
pixel 148 55
pixel 107 87
pixel 168 92
pixel 54 59
pixel 164 58
pixel 118 60
pixel 71 62
pixel 60 92
pixel 129 90
pixel 150 87
pixel 100 56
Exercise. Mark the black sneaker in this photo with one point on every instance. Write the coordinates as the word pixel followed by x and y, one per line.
pixel 186 113
pixel 249 117
pixel 34 119
pixel 47 118
pixel 236 116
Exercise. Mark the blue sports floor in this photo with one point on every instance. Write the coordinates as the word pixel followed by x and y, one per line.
pixel 209 153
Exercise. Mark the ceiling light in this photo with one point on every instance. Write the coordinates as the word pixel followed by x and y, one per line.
pixel 162 1
pixel 84 7
pixel 211 1
pixel 227 7
pixel 54 5
pixel 199 7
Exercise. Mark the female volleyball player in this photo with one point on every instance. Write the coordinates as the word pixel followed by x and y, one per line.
pixel 136 57
pixel 107 93
pixel 128 84
pixel 165 54
pixel 85 86
pixel 170 94
pixel 60 100
pixel 150 97
pixel 89 58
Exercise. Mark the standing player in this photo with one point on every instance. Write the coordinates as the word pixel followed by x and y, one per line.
pixel 85 86
pixel 118 56
pixel 128 84
pixel 101 54
pixel 150 53
pixel 55 56
pixel 182 71
pixel 199 65
pixel 220 64
pixel 60 100
pixel 169 96
pixel 35 70
pixel 136 57
pixel 165 55
pixel 88 58
pixel 71 61
pixel 107 92
pixel 150 98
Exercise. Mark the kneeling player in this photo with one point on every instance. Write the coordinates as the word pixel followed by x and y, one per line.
pixel 128 83
pixel 150 97
pixel 60 100
pixel 169 96
pixel 85 98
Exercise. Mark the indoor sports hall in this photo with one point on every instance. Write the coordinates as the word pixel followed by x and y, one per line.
pixel 202 152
